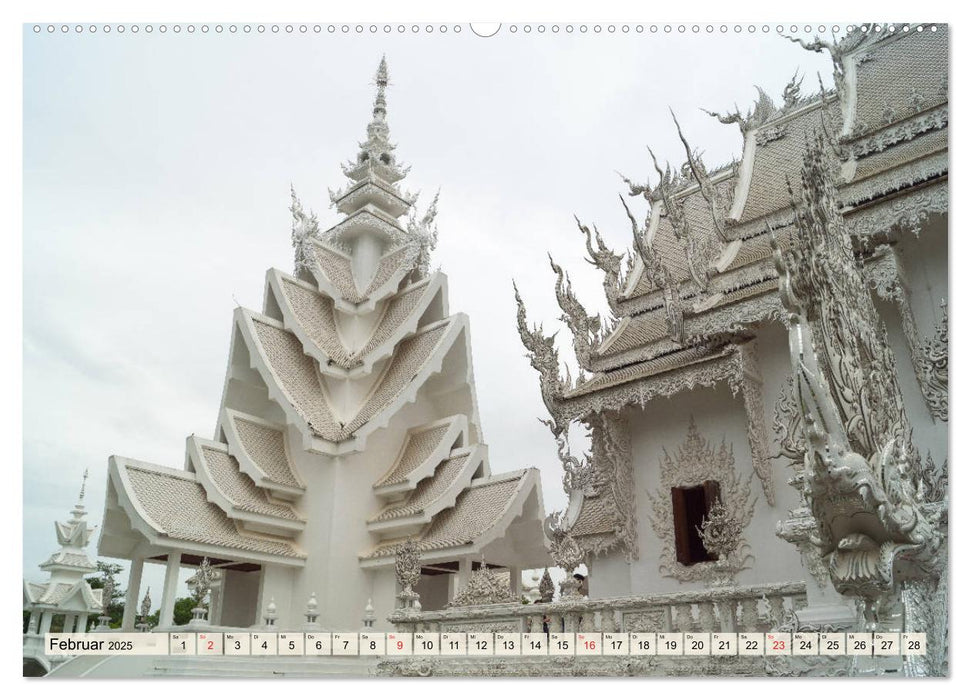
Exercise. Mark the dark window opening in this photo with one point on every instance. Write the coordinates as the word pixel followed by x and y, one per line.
pixel 691 505
pixel 385 158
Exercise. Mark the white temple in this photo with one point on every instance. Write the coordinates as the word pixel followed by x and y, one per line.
pixel 767 400
pixel 348 426
pixel 767 405
pixel 66 593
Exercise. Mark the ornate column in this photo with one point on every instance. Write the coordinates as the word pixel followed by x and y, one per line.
pixel 69 621
pixel 131 595
pixel 171 582
pixel 82 625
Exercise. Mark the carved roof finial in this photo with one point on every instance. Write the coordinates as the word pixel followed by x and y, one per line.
pixel 376 154
pixel 381 80
pixel 84 481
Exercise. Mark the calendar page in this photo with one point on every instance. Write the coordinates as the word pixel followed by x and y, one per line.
pixel 295 294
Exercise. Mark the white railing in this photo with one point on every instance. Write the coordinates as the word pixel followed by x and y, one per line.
pixel 732 609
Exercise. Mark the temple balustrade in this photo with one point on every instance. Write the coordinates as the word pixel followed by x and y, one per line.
pixel 729 609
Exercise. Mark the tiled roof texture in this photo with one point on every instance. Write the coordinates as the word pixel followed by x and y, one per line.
pixel 895 72
pixel 406 362
pixel 55 593
pixel 648 368
pixel 650 327
pixel 476 510
pixel 179 507
pixel 642 329
pixel 595 517
pixel 387 267
pixel 398 309
pixel 417 449
pixel 299 379
pixel 920 147
pixel 266 446
pixel 240 489
pixel 428 490
pixel 69 559
pixel 778 160
pixel 337 267
pixel 669 249
pixel 315 313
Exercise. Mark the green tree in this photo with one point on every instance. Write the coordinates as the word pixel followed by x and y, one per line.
pixel 180 615
pixel 116 606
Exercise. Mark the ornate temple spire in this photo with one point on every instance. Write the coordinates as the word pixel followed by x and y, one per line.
pixel 73 536
pixel 381 79
pixel 376 154
pixel 79 512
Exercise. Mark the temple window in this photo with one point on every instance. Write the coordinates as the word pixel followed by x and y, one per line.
pixel 690 505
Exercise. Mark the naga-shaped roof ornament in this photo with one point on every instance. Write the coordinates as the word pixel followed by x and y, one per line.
pixel 661 277
pixel 303 229
pixel 588 331
pixel 578 474
pixel 672 207
pixel 424 235
pixel 544 358
pixel 762 111
pixel 608 262
pixel 637 189
pixel 708 190
pixel 790 94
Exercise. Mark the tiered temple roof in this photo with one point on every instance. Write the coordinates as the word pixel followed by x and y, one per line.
pixel 341 346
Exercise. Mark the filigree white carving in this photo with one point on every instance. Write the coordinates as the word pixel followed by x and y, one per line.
pixel 407 571
pixel 934 370
pixel 484 588
pixel 873 528
pixel 907 130
pixel 695 462
pixel 304 229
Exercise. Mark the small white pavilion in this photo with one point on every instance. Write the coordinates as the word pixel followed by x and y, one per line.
pixel 66 593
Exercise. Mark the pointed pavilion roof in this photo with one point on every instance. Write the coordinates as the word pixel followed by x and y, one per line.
pixel 67 590
pixel 74 535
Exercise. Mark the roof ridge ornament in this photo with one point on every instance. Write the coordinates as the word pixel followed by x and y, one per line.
pixel 608 262
pixel 303 229
pixel 661 276
pixel 708 190
pixel 544 358
pixel 763 109
pixel 588 331
pixel 423 234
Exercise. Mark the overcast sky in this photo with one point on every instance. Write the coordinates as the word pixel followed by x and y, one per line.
pixel 157 171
